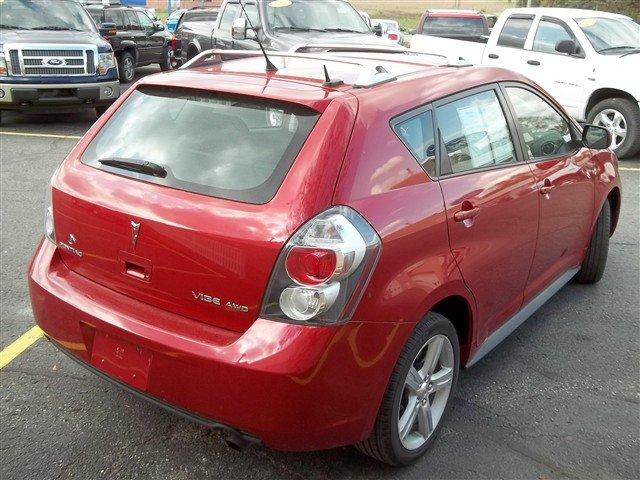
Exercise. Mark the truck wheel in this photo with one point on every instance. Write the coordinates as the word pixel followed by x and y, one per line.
pixel 126 67
pixel 595 260
pixel 622 118
pixel 418 394
pixel 168 62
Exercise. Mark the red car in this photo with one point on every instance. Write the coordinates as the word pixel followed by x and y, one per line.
pixel 307 261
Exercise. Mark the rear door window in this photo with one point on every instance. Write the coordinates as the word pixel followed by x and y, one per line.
pixel 418 136
pixel 131 20
pixel 514 32
pixel 475 133
pixel 224 146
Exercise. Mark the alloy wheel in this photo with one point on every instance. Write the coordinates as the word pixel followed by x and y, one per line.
pixel 615 122
pixel 426 392
pixel 129 70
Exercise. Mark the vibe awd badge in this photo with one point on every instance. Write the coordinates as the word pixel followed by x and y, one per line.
pixel 69 246
pixel 216 301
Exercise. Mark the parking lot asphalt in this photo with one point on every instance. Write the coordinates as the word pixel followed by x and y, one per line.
pixel 560 398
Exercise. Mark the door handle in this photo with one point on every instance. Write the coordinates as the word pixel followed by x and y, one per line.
pixel 546 188
pixel 466 214
pixel 533 62
pixel 493 55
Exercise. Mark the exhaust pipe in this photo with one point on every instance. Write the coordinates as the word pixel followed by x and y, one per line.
pixel 235 442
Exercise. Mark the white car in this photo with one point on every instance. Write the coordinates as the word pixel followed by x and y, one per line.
pixel 588 60
pixel 390 29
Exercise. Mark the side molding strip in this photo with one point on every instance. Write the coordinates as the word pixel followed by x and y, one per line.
pixel 519 318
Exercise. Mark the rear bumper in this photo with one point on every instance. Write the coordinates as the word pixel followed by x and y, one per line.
pixel 20 96
pixel 292 387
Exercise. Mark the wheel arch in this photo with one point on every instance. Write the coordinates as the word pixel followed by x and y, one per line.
pixel 604 93
pixel 130 47
pixel 615 200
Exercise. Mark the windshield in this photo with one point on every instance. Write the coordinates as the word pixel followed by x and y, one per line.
pixel 611 35
pixel 223 146
pixel 45 15
pixel 449 26
pixel 321 15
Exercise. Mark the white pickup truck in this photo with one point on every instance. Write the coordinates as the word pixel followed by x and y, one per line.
pixel 588 60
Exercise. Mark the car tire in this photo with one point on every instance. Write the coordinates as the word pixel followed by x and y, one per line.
pixel 386 442
pixel 100 111
pixel 168 63
pixel 618 114
pixel 126 67
pixel 595 260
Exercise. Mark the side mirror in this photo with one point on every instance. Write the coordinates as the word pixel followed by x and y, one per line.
pixel 239 29
pixel 108 29
pixel 159 26
pixel 413 31
pixel 377 29
pixel 596 138
pixel 566 46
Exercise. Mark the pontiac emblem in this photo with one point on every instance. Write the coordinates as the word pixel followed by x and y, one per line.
pixel 69 246
pixel 135 231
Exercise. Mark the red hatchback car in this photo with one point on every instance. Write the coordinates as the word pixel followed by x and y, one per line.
pixel 308 261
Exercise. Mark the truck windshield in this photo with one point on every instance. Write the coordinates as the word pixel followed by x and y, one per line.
pixel 611 36
pixel 44 15
pixel 453 26
pixel 318 15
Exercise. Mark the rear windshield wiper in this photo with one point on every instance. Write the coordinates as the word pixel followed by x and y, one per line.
pixel 140 166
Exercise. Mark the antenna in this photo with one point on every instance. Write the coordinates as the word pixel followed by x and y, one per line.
pixel 270 66
pixel 327 79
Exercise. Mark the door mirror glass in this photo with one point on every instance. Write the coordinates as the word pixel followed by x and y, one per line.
pixel 566 46
pixel 108 29
pixel 158 26
pixel 596 138
pixel 239 29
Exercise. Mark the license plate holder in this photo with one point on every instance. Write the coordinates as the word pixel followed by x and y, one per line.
pixel 122 360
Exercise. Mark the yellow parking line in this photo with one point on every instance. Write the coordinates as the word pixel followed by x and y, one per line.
pixel 629 169
pixel 20 345
pixel 41 135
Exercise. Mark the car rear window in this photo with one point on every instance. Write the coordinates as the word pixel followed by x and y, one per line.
pixel 232 147
pixel 459 26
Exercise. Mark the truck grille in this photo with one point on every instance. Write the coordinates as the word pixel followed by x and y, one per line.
pixel 54 60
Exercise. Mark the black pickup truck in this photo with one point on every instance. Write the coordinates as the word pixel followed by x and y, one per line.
pixel 137 39
pixel 292 25
pixel 52 56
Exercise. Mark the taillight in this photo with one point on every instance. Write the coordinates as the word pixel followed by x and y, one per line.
pixel 173 43
pixel 393 36
pixel 323 270
pixel 49 226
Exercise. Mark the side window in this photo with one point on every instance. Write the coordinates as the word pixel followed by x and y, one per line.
pixel 549 33
pixel 252 13
pixel 514 31
pixel 417 135
pixel 131 20
pixel 475 133
pixel 545 132
pixel 145 21
pixel 228 16
pixel 114 16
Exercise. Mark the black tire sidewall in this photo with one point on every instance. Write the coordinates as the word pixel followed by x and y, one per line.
pixel 433 324
pixel 631 114
pixel 121 61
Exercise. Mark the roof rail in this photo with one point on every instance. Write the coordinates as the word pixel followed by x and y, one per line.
pixel 346 47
